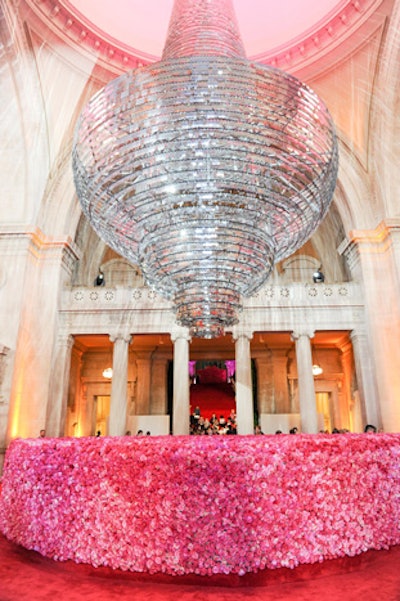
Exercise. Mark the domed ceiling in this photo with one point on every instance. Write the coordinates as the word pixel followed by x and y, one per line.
pixel 264 24
pixel 288 34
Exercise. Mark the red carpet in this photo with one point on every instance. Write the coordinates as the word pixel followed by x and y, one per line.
pixel 26 575
pixel 218 398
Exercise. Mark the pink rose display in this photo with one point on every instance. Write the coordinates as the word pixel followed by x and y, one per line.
pixel 202 505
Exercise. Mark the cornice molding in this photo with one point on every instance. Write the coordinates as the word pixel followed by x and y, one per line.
pixel 30 237
pixel 379 240
pixel 348 28
pixel 330 33
pixel 80 34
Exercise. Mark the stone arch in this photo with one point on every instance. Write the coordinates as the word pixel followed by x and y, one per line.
pixel 92 249
pixel 119 272
pixel 299 268
pixel 384 144
pixel 354 199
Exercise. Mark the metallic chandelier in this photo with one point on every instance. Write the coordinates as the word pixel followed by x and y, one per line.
pixel 205 168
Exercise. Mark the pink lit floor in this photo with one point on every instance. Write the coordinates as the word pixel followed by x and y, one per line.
pixel 26 575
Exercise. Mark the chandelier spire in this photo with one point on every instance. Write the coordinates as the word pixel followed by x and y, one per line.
pixel 203 29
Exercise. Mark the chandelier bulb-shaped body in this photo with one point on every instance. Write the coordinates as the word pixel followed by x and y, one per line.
pixel 205 168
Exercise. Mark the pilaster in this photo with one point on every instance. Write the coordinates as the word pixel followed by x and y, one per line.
pixel 58 395
pixel 43 264
pixel 378 256
pixel 366 381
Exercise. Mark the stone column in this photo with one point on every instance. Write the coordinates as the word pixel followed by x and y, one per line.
pixel 119 385
pixel 181 385
pixel 58 397
pixel 366 382
pixel 244 388
pixel 393 228
pixel 306 388
pixel 4 356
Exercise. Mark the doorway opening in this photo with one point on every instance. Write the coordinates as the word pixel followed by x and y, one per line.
pixel 324 410
pixel 102 414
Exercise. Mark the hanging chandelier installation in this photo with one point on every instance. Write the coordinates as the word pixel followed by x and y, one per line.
pixel 205 168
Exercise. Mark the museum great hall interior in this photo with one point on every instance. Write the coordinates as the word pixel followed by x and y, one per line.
pixel 200 234
pixel 61 330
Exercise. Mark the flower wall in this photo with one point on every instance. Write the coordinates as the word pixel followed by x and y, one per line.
pixel 203 505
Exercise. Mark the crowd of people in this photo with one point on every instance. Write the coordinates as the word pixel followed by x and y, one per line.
pixel 221 425
pixel 212 425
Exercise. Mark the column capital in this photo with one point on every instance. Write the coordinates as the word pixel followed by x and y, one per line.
pixel 238 332
pixel 392 224
pixel 368 240
pixel 121 336
pixel 301 332
pixel 363 243
pixel 179 332
pixel 66 338
pixel 359 334
pixel 350 250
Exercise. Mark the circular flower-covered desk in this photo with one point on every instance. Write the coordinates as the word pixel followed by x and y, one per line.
pixel 203 505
